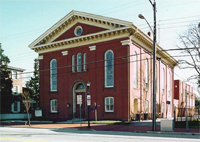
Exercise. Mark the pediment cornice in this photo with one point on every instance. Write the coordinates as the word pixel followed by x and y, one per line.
pixel 84 40
pixel 74 17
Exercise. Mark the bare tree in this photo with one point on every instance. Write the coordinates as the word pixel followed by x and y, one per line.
pixel 191 42
pixel 27 102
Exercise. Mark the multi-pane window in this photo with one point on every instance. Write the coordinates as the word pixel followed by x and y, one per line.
pixel 146 74
pixel 84 61
pixel 78 62
pixel 53 75
pixel 135 58
pixel 53 106
pixel 73 63
pixel 109 69
pixel 109 104
pixel 15 75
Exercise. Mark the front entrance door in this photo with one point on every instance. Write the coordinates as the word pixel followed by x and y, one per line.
pixel 82 106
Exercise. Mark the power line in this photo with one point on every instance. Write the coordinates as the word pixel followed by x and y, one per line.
pixel 122 57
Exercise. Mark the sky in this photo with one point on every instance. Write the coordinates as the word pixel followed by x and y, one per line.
pixel 22 21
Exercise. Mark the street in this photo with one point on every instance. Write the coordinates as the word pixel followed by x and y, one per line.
pixel 8 134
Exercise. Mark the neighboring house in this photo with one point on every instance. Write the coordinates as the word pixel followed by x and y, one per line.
pixel 16 74
pixel 15 107
pixel 114 55
pixel 182 93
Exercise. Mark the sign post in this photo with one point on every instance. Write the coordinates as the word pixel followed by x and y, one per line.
pixel 88 105
pixel 79 101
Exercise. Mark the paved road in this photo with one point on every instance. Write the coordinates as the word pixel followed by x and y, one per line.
pixel 8 134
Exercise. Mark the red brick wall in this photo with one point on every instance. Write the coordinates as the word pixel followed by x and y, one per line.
pixel 94 74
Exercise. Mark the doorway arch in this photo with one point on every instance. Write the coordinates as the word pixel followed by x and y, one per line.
pixel 79 88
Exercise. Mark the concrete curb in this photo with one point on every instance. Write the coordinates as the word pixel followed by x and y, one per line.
pixel 174 133
pixel 121 132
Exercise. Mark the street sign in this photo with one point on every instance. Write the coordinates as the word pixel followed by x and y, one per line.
pixel 79 99
pixel 88 100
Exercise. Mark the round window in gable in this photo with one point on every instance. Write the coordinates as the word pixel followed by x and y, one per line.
pixel 78 31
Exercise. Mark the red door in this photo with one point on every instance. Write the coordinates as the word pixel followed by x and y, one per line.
pixel 82 106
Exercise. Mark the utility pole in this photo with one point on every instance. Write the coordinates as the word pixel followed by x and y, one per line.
pixel 154 62
pixel 154 67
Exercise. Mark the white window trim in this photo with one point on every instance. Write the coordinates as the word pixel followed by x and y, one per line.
pixel 51 103
pixel 163 86
pixel 18 90
pixel 73 63
pixel 105 75
pixel 18 107
pixel 84 61
pixel 109 104
pixel 51 76
pixel 78 63
pixel 13 75
pixel 135 82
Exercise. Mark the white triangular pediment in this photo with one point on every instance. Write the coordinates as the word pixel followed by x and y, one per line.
pixel 72 19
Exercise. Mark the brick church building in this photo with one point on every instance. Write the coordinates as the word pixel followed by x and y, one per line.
pixel 114 56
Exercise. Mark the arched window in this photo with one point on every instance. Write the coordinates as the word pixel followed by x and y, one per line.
pixel 135 58
pixel 109 69
pixel 80 87
pixel 84 62
pixel 163 107
pixel 147 74
pixel 78 62
pixel 53 75
pixel 169 83
pixel 147 107
pixel 73 63
pixel 163 84
pixel 53 106
pixel 109 104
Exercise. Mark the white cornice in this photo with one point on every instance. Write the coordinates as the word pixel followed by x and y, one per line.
pixel 84 36
pixel 84 43
pixel 73 15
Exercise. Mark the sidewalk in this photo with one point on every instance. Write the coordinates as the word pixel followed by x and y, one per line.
pixel 108 127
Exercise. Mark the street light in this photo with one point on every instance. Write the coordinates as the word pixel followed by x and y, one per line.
pixel 88 103
pixel 154 62
pixel 142 17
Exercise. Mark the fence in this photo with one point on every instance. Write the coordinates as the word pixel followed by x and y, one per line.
pixel 192 114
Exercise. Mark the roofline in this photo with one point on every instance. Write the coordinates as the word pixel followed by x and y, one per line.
pixel 15 68
pixel 78 13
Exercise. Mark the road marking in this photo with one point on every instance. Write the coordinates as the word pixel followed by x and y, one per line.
pixel 17 139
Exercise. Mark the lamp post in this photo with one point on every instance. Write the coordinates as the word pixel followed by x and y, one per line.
pixel 154 63
pixel 88 102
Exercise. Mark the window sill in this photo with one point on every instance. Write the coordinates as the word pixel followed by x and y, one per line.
pixel 105 88
pixel 109 112
pixel 79 72
pixel 53 92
